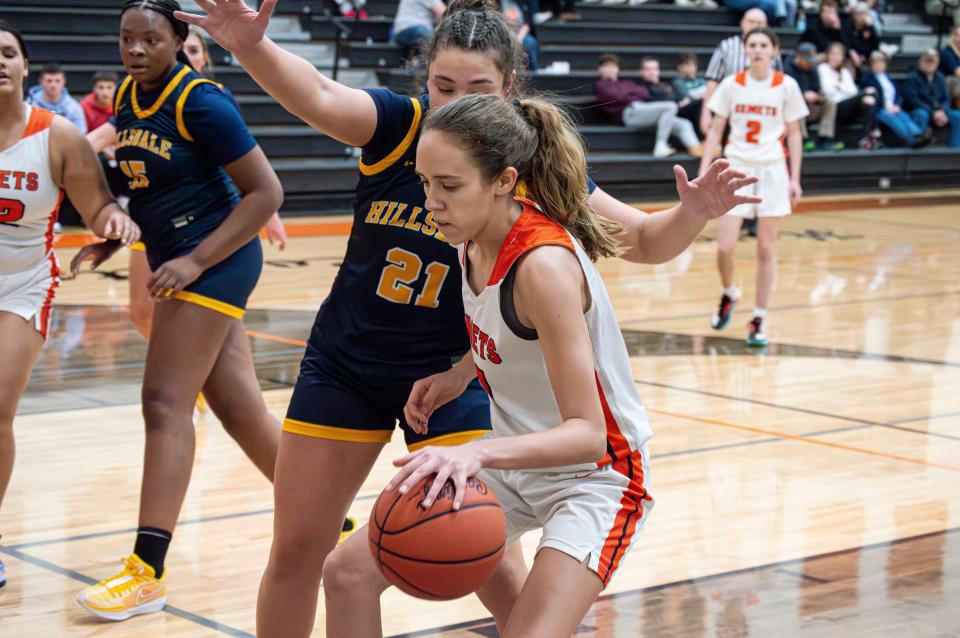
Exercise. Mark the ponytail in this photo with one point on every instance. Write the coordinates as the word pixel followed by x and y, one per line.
pixel 557 179
pixel 541 143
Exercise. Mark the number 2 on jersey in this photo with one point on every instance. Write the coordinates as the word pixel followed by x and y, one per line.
pixel 137 172
pixel 753 131
pixel 11 210
pixel 403 269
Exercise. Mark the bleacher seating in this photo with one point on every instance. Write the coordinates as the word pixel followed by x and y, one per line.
pixel 319 173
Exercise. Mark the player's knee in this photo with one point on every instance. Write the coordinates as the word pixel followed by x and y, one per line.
pixel 297 553
pixel 342 575
pixel 160 406
pixel 765 252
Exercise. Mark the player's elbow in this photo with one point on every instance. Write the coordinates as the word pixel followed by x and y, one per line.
pixel 595 441
pixel 272 191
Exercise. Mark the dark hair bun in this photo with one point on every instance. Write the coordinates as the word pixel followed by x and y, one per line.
pixel 478 6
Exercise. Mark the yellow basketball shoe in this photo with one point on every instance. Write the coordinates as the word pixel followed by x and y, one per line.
pixel 349 527
pixel 135 590
pixel 202 406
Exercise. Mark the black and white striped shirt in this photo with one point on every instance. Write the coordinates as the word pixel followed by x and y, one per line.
pixel 730 57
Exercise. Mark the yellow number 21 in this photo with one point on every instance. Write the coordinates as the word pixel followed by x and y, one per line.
pixel 403 270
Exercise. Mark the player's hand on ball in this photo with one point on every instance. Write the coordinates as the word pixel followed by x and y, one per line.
pixel 456 463
pixel 173 276
pixel 715 192
pixel 97 253
pixel 231 23
pixel 429 394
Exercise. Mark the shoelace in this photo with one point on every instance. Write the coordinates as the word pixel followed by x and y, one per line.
pixel 130 568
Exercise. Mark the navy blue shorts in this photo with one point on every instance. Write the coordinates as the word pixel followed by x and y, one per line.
pixel 329 402
pixel 226 286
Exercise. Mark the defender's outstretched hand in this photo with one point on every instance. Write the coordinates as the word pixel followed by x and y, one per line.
pixel 715 192
pixel 231 23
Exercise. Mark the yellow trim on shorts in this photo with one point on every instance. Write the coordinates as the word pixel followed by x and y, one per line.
pixel 211 303
pixel 455 438
pixel 140 246
pixel 401 148
pixel 336 434
pixel 182 101
pixel 171 85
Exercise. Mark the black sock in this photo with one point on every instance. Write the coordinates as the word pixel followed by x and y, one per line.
pixel 151 547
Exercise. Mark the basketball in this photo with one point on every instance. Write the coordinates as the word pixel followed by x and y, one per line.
pixel 438 553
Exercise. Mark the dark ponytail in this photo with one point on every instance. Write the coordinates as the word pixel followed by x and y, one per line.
pixel 9 28
pixel 166 9
pixel 539 140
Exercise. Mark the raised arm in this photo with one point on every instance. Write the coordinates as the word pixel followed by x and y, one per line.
pixel 345 114
pixel 76 170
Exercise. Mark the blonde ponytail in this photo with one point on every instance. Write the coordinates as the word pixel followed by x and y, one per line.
pixel 541 143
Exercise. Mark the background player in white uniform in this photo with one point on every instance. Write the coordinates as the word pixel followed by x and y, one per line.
pixel 570 431
pixel 40 154
pixel 762 106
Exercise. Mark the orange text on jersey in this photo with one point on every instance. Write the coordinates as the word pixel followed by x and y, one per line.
pixel 18 180
pixel 147 140
pixel 757 109
pixel 482 344
pixel 400 215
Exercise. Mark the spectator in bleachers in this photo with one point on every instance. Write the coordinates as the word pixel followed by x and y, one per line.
pixel 889 101
pixel 687 84
pixel 413 24
pixel 729 58
pixel 876 17
pixel 52 94
pixel 825 28
pixel 353 9
pixel 846 105
pixel 98 104
pixel 627 103
pixel 802 67
pixel 950 66
pixel 769 7
pixel 860 36
pixel 938 8
pixel 514 16
pixel 925 97
pixel 565 10
pixel 688 109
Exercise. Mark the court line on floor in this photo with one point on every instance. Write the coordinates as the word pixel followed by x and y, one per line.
pixel 892 425
pixel 849 302
pixel 87 580
pixel 775 565
pixel 805 439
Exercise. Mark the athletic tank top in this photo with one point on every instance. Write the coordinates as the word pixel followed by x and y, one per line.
pixel 29 198
pixel 509 357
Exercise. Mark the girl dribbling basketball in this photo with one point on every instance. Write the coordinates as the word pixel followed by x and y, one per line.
pixel 568 453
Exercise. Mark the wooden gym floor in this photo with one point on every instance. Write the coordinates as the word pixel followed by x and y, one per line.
pixel 809 489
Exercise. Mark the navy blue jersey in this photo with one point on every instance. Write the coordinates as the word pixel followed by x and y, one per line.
pixel 395 308
pixel 172 144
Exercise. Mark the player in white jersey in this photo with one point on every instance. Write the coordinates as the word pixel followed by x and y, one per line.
pixel 763 107
pixel 568 452
pixel 41 155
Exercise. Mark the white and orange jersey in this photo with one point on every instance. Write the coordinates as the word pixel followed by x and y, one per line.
pixel 509 357
pixel 29 197
pixel 758 112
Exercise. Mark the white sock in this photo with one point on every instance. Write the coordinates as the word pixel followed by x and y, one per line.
pixel 733 292
pixel 760 312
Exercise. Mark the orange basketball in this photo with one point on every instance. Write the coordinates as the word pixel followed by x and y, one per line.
pixel 438 553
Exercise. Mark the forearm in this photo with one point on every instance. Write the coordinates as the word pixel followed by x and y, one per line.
pixel 240 226
pixel 465 370
pixel 289 79
pixel 666 234
pixel 573 442
pixel 710 146
pixel 97 223
pixel 795 148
